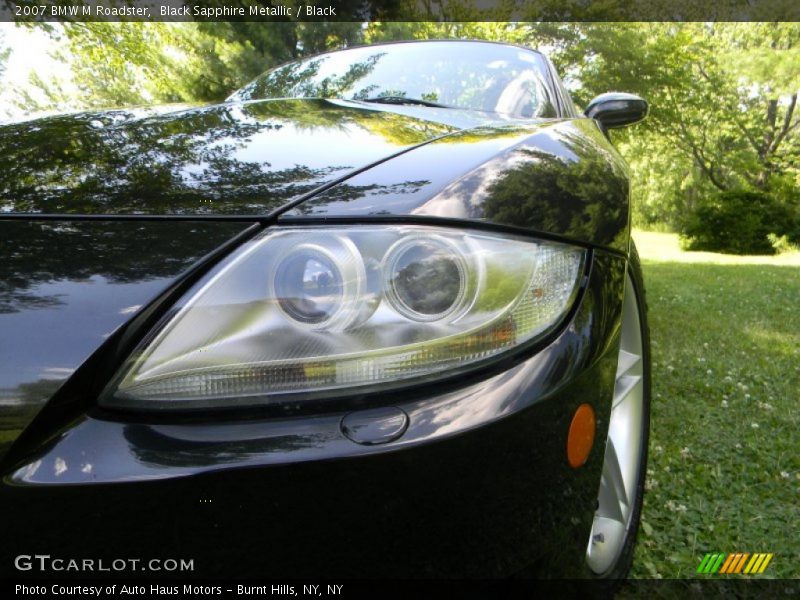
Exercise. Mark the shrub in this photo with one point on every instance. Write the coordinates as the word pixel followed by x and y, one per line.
pixel 738 223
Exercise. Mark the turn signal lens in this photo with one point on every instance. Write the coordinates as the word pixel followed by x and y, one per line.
pixel 580 438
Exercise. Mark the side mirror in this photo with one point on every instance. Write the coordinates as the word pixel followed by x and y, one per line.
pixel 616 109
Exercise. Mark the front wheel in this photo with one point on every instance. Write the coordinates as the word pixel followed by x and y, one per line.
pixel 619 504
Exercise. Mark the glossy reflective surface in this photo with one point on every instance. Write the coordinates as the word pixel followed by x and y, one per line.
pixel 470 75
pixel 375 426
pixel 561 178
pixel 259 158
pixel 65 287
pixel 496 498
pixel 155 450
pixel 232 158
pixel 616 109
pixel 309 287
pixel 426 278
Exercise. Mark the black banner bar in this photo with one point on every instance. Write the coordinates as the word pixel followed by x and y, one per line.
pixel 397 10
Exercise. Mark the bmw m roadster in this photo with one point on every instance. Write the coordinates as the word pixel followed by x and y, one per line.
pixel 377 314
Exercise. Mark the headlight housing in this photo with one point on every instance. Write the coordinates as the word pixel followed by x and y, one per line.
pixel 301 311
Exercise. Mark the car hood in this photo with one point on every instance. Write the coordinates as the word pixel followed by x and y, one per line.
pixel 68 287
pixel 225 159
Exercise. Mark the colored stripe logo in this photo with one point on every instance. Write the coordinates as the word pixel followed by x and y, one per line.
pixel 735 563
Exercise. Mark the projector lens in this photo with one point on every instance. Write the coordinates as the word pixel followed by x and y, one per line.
pixel 309 286
pixel 426 278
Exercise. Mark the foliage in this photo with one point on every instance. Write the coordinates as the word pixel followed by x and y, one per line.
pixel 665 182
pixel 4 54
pixel 723 100
pixel 125 64
pixel 738 223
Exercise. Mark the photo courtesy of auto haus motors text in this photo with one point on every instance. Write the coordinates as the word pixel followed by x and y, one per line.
pixel 122 590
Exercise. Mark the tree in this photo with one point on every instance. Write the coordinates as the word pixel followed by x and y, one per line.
pixel 124 64
pixel 5 52
pixel 723 94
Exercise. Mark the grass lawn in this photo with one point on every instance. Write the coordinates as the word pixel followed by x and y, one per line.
pixel 724 469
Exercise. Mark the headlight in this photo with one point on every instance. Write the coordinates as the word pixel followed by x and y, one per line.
pixel 301 311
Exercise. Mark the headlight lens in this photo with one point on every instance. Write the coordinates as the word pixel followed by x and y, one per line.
pixel 309 287
pixel 321 310
pixel 426 278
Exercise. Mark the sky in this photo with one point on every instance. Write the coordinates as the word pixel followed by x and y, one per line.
pixel 30 51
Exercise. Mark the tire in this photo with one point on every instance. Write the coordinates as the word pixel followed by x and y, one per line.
pixel 609 553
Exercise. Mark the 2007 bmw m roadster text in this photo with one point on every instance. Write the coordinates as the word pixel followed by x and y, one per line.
pixel 378 313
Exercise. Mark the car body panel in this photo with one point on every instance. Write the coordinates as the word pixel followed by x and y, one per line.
pixel 321 158
pixel 224 159
pixel 558 177
pixel 55 312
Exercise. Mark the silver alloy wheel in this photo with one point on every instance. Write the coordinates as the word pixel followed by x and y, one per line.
pixel 620 479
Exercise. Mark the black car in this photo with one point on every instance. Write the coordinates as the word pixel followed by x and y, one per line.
pixel 377 314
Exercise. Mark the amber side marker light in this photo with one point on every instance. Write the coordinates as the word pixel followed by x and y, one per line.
pixel 581 436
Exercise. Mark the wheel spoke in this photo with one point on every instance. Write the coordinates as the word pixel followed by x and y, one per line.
pixel 624 436
pixel 625 385
pixel 613 499
pixel 607 534
pixel 621 463
pixel 630 363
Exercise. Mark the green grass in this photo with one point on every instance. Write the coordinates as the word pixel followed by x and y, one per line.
pixel 724 469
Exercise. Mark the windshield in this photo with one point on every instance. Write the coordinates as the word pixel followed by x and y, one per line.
pixel 469 75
